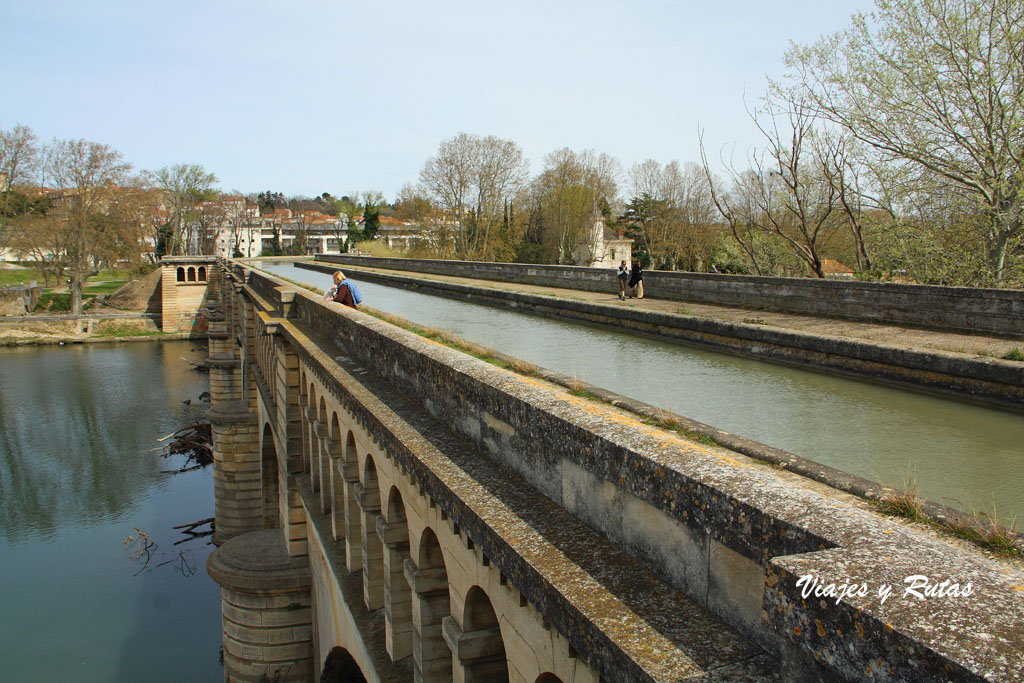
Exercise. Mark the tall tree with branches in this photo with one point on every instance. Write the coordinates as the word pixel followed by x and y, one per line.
pixel 934 88
pixel 788 193
pixel 471 179
pixel 19 159
pixel 90 219
pixel 184 187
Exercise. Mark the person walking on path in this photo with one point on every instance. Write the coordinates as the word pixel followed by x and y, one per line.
pixel 636 280
pixel 623 276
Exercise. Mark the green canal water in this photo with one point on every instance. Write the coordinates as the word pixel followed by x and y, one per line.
pixel 963 455
pixel 80 471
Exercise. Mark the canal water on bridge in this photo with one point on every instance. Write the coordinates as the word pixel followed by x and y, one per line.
pixel 962 455
pixel 78 475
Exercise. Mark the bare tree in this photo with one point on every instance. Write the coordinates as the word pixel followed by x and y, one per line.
pixel 934 87
pixel 786 194
pixel 184 187
pixel 671 214
pixel 19 159
pixel 471 179
pixel 90 219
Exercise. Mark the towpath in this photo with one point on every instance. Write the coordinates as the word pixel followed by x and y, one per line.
pixel 984 346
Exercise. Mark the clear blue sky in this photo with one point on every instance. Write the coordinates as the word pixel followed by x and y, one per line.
pixel 307 97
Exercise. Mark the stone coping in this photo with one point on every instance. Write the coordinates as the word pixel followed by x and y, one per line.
pixel 257 562
pixel 169 260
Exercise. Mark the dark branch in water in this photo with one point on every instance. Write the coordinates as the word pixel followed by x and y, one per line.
pixel 195 442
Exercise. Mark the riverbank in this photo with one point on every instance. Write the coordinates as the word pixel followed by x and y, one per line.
pixel 130 313
pixel 84 329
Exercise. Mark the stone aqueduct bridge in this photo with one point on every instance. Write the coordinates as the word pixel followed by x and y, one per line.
pixel 388 504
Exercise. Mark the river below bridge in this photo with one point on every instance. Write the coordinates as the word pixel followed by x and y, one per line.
pixel 963 455
pixel 79 474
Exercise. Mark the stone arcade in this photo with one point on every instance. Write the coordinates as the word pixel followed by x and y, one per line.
pixel 387 504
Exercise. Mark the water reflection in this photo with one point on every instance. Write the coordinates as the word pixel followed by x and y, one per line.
pixel 73 428
pixel 960 454
pixel 78 474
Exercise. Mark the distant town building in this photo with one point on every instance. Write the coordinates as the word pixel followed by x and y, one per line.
pixel 833 268
pixel 602 248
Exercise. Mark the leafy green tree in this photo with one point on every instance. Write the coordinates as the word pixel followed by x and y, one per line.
pixel 371 221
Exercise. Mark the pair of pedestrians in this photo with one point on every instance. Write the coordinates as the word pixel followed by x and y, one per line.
pixel 635 279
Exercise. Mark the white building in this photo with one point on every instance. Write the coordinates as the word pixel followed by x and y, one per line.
pixel 602 248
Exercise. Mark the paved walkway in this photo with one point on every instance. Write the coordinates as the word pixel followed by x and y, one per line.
pixel 896 335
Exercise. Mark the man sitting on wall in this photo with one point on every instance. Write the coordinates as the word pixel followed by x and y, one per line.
pixel 344 291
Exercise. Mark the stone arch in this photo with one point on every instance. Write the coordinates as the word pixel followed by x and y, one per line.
pixel 373 548
pixel 548 678
pixel 428 579
pixel 269 479
pixel 336 500
pixel 317 437
pixel 191 274
pixel 393 530
pixel 202 273
pixel 340 667
pixel 307 398
pixel 181 274
pixel 485 660
pixel 353 516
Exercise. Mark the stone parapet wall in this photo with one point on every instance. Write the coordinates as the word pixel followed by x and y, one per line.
pixel 732 534
pixel 995 311
pixel 19 300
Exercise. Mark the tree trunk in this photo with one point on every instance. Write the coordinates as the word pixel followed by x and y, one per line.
pixel 76 292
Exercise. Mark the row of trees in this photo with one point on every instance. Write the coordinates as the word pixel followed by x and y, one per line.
pixel 478 202
pixel 898 142
pixel 894 146
pixel 74 207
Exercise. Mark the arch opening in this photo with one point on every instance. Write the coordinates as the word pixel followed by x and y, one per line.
pixel 432 658
pixel 488 661
pixel 548 678
pixel 269 480
pixel 353 517
pixel 341 667
pixel 336 490
pixel 398 600
pixel 373 548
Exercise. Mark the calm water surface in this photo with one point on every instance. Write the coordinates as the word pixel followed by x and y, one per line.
pixel 963 455
pixel 78 475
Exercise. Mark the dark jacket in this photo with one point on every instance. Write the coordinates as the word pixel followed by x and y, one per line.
pixel 636 275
